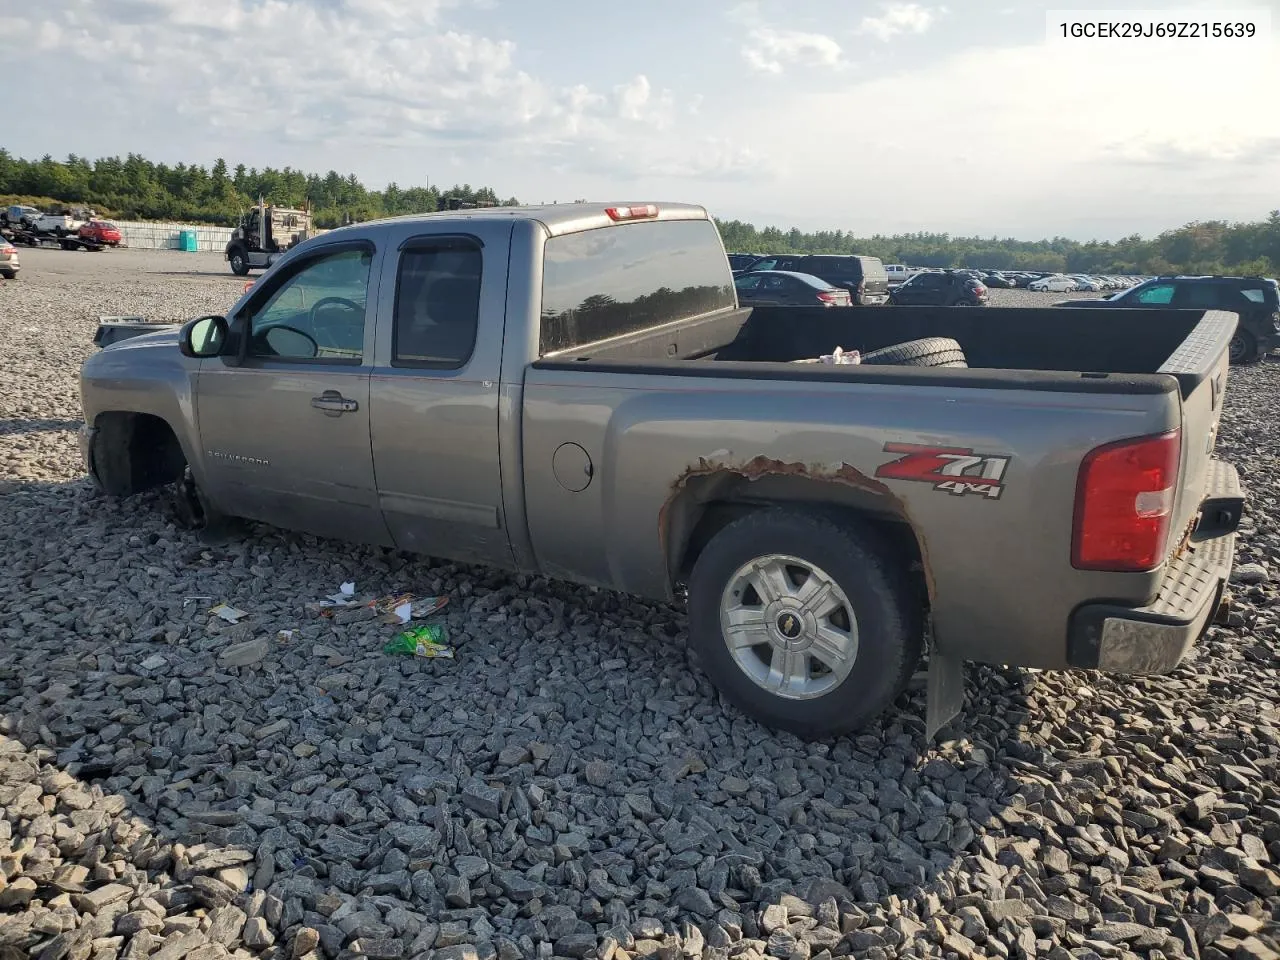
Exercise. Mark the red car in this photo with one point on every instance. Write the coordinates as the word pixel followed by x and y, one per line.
pixel 103 231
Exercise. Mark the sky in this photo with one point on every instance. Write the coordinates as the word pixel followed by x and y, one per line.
pixel 875 117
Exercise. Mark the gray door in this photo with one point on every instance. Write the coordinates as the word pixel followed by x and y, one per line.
pixel 435 389
pixel 285 427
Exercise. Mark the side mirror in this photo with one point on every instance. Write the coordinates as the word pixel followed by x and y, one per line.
pixel 203 337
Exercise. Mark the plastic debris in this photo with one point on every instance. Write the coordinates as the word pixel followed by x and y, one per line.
pixel 284 636
pixel 228 613
pixel 427 641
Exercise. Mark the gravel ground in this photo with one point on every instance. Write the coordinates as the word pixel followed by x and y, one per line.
pixel 174 786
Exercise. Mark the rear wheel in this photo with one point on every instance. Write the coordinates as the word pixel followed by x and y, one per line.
pixel 1243 348
pixel 926 352
pixel 803 621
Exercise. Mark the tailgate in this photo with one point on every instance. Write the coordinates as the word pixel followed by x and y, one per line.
pixel 1200 365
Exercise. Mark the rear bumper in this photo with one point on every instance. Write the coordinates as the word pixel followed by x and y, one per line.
pixel 1154 639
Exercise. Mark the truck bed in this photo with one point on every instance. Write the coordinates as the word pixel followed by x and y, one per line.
pixel 1020 348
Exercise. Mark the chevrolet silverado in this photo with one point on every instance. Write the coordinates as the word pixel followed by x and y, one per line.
pixel 575 390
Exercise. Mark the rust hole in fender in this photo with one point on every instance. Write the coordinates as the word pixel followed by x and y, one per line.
pixel 761 467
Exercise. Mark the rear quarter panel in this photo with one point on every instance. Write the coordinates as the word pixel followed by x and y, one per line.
pixel 999 571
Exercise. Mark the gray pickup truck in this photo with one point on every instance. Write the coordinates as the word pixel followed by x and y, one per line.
pixel 574 390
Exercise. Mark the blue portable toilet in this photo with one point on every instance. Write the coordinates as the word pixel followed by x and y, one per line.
pixel 187 241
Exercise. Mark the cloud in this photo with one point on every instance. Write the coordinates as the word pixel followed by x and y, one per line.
pixel 899 18
pixel 636 101
pixel 770 49
pixel 1043 155
pixel 354 74
pixel 1196 154
pixel 708 159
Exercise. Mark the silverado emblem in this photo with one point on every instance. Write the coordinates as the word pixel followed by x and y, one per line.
pixel 237 458
pixel 957 470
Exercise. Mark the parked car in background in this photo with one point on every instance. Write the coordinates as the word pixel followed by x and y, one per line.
pixel 104 231
pixel 741 261
pixel 900 273
pixel 864 277
pixel 1256 300
pixel 1087 284
pixel 59 224
pixel 1056 284
pixel 9 265
pixel 998 280
pixel 18 215
pixel 951 289
pixel 784 288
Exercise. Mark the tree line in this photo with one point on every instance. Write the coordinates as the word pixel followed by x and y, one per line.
pixel 137 188
pixel 1207 247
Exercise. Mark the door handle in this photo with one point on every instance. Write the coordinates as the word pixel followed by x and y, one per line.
pixel 333 403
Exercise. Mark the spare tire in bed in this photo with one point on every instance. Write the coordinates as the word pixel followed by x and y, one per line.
pixel 928 352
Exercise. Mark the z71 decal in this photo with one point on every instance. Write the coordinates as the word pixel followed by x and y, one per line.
pixel 957 470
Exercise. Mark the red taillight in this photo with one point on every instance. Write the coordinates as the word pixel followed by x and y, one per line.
pixel 642 212
pixel 1124 504
pixel 827 297
pixel 982 291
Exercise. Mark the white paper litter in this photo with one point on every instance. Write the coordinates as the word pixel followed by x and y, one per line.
pixel 345 597
pixel 228 613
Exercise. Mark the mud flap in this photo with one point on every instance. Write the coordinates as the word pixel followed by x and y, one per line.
pixel 1222 615
pixel 945 695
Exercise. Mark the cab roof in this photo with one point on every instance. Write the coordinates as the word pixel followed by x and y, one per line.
pixel 557 218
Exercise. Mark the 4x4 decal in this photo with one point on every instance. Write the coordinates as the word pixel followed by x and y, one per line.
pixel 956 470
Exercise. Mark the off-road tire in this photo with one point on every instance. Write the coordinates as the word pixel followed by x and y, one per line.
pixel 875 583
pixel 927 352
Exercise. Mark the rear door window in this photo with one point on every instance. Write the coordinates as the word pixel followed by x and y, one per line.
pixel 617 280
pixel 1200 296
pixel 437 308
